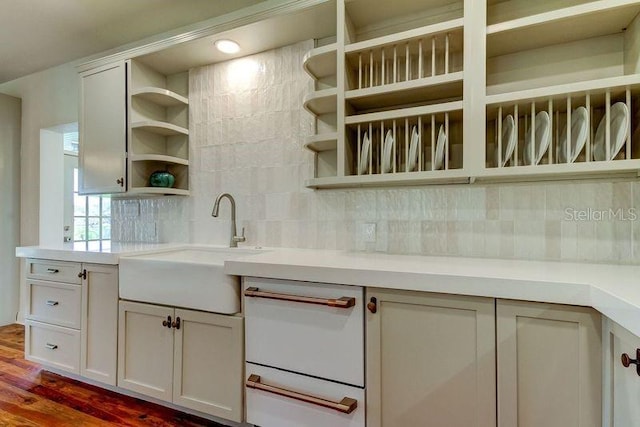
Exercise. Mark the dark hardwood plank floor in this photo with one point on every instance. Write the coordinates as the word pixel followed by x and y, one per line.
pixel 32 396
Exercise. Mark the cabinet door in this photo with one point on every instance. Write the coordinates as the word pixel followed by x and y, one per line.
pixel 208 359
pixel 549 365
pixel 103 123
pixel 622 384
pixel 430 360
pixel 98 356
pixel 145 349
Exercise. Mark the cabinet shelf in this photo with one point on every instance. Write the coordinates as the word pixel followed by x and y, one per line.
pixel 401 113
pixel 322 142
pixel 321 101
pixel 160 128
pixel 592 19
pixel 321 61
pixel 559 91
pixel 445 86
pixel 451 176
pixel 159 96
pixel 621 168
pixel 159 158
pixel 405 36
pixel 158 191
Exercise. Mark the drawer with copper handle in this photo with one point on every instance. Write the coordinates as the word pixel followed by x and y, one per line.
pixel 313 329
pixel 285 399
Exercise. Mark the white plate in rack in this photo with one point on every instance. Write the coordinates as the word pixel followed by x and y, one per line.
pixel 619 115
pixel 508 140
pixel 579 119
pixel 413 150
pixel 364 154
pixel 387 151
pixel 543 137
pixel 442 140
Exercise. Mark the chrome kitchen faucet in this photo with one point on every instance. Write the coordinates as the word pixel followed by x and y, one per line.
pixel 216 206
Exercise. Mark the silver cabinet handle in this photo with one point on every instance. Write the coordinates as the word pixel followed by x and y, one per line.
pixel 53 270
pixel 51 346
pixel 51 303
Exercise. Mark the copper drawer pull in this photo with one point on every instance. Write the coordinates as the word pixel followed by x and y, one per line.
pixel 347 405
pixel 344 302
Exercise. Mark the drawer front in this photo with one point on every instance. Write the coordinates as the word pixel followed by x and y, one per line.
pixel 267 408
pixel 53 346
pixel 304 337
pixel 55 303
pixel 57 271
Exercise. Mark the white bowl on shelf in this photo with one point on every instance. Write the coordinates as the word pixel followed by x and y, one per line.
pixel 364 155
pixel 542 136
pixel 619 117
pixel 508 141
pixel 579 126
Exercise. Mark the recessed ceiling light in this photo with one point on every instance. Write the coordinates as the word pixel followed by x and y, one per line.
pixel 227 46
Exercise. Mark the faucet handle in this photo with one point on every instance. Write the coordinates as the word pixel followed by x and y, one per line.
pixel 240 238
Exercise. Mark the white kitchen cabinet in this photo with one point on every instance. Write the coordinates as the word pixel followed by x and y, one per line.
pixel 430 360
pixel 72 317
pixel 549 365
pixel 191 358
pixel 99 332
pixel 456 70
pixel 304 353
pixel 103 125
pixel 133 122
pixel 320 340
pixel 621 384
pixel 277 398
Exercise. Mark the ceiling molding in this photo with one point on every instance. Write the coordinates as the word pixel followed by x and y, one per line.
pixel 239 18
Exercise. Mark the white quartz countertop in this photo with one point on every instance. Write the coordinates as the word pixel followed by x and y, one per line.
pixel 108 255
pixel 614 290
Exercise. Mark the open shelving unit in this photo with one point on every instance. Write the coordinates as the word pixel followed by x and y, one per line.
pixel 158 129
pixel 424 90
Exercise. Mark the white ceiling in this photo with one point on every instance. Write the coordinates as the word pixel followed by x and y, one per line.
pixel 38 34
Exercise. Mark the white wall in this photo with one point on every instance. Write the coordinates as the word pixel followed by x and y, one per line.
pixel 9 206
pixel 246 131
pixel 51 187
pixel 49 98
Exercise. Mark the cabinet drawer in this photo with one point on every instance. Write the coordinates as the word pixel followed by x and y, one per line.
pixel 57 271
pixel 305 336
pixel 56 303
pixel 267 408
pixel 53 346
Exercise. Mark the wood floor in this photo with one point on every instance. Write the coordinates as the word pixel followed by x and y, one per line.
pixel 31 396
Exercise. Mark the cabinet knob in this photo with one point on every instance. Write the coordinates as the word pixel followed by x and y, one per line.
pixel 372 305
pixel 83 274
pixel 167 323
pixel 120 181
pixel 176 324
pixel 628 361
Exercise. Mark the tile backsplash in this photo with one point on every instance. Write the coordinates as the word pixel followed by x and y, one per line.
pixel 246 131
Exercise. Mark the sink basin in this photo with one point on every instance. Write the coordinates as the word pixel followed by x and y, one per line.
pixel 190 277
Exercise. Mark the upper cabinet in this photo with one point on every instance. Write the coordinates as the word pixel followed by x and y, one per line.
pixel 103 130
pixel 133 122
pixel 437 91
